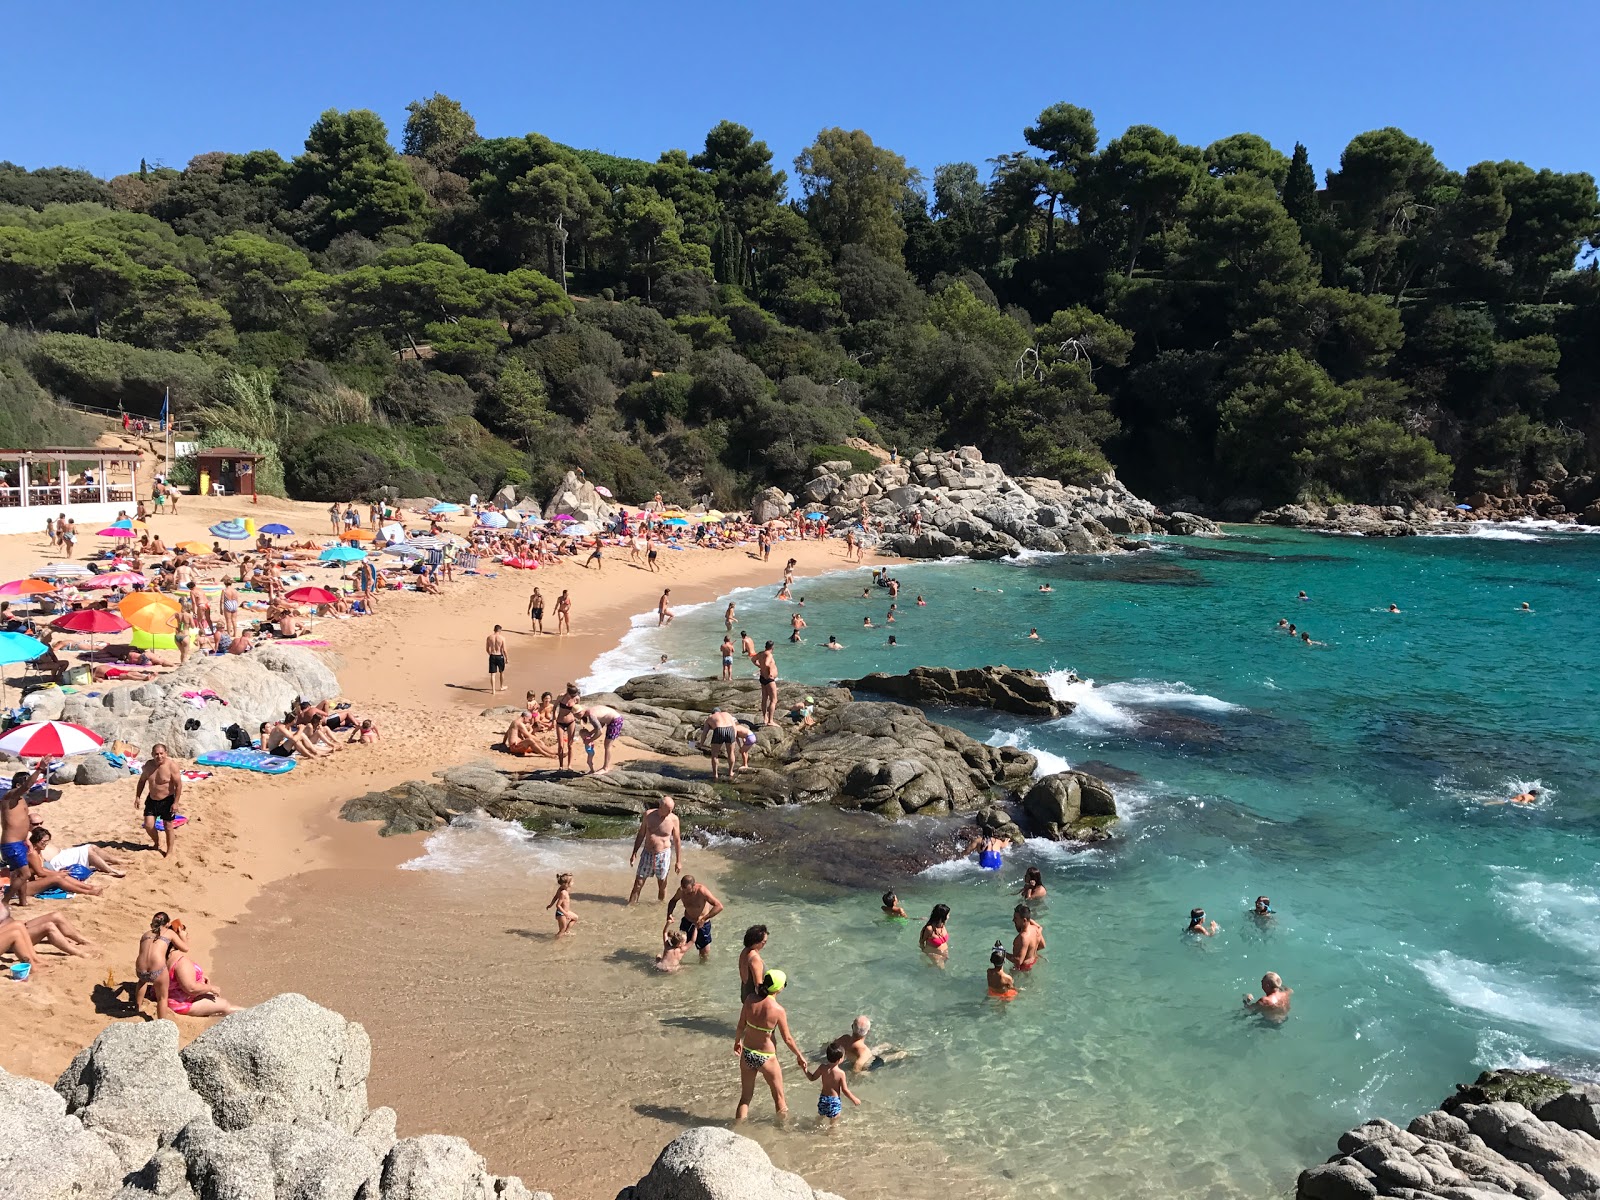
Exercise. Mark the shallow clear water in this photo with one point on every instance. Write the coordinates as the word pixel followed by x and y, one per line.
pixel 1426 932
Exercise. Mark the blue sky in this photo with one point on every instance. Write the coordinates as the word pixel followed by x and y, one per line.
pixel 99 85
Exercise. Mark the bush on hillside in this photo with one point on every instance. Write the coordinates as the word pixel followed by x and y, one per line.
pixel 863 462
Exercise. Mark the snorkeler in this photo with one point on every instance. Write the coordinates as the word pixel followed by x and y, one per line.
pixel 1197 923
pixel 1001 985
pixel 1262 911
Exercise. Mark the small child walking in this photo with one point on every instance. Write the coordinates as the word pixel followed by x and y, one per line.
pixel 834 1085
pixel 562 903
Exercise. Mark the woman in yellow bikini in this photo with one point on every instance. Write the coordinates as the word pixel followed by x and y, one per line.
pixel 761 1019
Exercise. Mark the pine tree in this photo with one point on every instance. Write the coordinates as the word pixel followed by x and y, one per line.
pixel 1300 189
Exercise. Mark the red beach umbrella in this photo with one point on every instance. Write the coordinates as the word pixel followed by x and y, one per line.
pixel 50 739
pixel 91 620
pixel 311 595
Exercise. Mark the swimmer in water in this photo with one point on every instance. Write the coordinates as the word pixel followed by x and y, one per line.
pixel 921 603
pixel 1032 885
pixel 1197 924
pixel 1274 1001
pixel 1262 911
pixel 1001 985
pixel 1283 626
pixel 1525 607
pixel 1531 796
pixel 866 593
pixel 1393 607
pixel 1302 596
pixel 832 643
pixel 1292 630
pixel 891 641
pixel 1305 639
pixel 1033 634
pixel 866 623
pixel 1045 587
pixel 891 906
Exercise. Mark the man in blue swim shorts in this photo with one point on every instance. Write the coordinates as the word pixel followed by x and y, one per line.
pixel 699 907
pixel 14 822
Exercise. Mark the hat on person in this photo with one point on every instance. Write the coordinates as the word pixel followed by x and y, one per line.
pixel 774 982
pixel 811 699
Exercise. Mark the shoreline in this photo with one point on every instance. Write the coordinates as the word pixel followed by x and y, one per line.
pixel 402 667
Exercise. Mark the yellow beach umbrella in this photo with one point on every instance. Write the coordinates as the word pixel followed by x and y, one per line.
pixel 193 547
pixel 358 535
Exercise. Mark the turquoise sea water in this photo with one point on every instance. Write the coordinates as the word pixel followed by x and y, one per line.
pixel 1426 933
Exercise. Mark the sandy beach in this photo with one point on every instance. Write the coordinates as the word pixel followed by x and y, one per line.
pixel 416 667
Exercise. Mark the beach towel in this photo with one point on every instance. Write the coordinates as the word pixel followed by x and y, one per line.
pixel 246 760
pixel 195 776
pixel 77 872
pixel 301 642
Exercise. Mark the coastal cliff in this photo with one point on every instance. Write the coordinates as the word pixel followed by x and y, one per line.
pixel 271 1104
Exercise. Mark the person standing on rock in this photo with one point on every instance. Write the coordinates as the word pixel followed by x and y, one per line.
pixel 657 847
pixel 767 673
pixel 163 782
pixel 761 1021
pixel 495 644
pixel 722 736
pixel 699 908
pixel 1274 1001
pixel 727 657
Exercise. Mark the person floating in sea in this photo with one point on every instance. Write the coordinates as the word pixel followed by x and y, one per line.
pixel 1283 626
pixel 891 907
pixel 857 1054
pixel 562 903
pixel 1305 640
pixel 921 603
pixel 1001 985
pixel 891 641
pixel 1525 608
pixel 1029 942
pixel 1302 596
pixel 866 623
pixel 764 1020
pixel 1274 1001
pixel 1197 924
pixel 832 643
pixel 1292 631
pixel 1032 885
pixel 834 1085
pixel 657 847
pixel 1045 587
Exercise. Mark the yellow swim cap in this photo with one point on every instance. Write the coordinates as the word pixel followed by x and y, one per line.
pixel 775 982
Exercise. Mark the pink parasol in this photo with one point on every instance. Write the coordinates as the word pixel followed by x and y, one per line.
pixel 115 579
pixel 115 532
pixel 50 739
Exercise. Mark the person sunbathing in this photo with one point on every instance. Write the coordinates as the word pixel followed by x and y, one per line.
pixel 278 738
pixel 102 672
pixel 521 739
pixel 189 992
pixel 365 734
pixel 84 855
pixel 43 878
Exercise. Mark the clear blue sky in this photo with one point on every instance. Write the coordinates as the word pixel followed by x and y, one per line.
pixel 99 85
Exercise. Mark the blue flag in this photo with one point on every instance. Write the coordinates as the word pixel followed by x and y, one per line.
pixel 166 401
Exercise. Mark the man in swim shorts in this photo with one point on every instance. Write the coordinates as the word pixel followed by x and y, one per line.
pixel 727 657
pixel 656 847
pixel 766 664
pixel 14 826
pixel 163 782
pixel 721 739
pixel 1025 947
pixel 495 644
pixel 699 907
pixel 605 725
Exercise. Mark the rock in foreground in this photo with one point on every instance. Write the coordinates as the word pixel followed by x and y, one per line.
pixel 1474 1147
pixel 270 1104
pixel 1026 693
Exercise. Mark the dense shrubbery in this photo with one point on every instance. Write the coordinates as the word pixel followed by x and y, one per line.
pixel 476 311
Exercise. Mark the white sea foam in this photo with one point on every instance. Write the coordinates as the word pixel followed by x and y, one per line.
pixel 1563 914
pixel 956 868
pixel 1501 993
pixel 1115 706
pixel 480 844
pixel 1049 762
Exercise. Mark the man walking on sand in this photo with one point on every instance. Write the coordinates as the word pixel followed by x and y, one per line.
pixel 663 612
pixel 699 908
pixel 658 847
pixel 163 781
pixel 495 644
pixel 767 672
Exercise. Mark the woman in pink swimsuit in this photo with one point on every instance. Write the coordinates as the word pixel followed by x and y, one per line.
pixel 189 992
pixel 935 939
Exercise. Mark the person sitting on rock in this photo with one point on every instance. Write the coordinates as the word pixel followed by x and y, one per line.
pixel 1274 1001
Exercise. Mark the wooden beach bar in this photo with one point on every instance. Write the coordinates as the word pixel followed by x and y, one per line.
pixel 90 484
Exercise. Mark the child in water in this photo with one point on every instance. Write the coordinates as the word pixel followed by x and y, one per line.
pixel 834 1085
pixel 1001 985
pixel 562 903
pixel 891 907
pixel 673 946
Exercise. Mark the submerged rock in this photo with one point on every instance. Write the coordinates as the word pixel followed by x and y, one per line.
pixel 1003 689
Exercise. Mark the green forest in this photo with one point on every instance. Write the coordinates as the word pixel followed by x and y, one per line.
pixel 460 312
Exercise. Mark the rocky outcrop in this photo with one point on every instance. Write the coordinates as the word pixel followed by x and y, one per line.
pixel 257 686
pixel 718 1164
pixel 941 503
pixel 1026 693
pixel 270 1104
pixel 577 498
pixel 1476 1146
pixel 770 504
pixel 1570 500
pixel 1071 805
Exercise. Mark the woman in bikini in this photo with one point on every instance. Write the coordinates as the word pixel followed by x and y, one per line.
pixel 761 1020
pixel 163 936
pixel 189 992
pixel 751 968
pixel 935 939
pixel 566 722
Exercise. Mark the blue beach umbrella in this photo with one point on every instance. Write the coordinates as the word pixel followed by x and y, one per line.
pixel 675 521
pixel 493 520
pixel 276 530
pixel 442 508
pixel 125 523
pixel 19 647
pixel 342 554
pixel 230 531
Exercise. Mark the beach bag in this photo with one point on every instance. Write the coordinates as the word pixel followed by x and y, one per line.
pixel 238 739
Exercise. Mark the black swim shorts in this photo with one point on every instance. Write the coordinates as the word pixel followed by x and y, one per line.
pixel 159 809
pixel 497 664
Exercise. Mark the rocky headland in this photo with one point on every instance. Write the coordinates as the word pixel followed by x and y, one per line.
pixel 967 506
pixel 1512 1133
pixel 876 757
pixel 271 1104
pixel 1026 693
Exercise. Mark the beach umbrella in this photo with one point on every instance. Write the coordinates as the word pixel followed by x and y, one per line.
pixel 394 533
pixel 604 491
pixel 154 620
pixel 493 520
pixel 426 543
pixel 357 534
pixel 50 739
pixel 277 529
pixel 405 550
pixel 578 530
pixel 60 571
pixel 563 517
pixel 443 508
pixel 19 647
pixel 230 531
pixel 193 547
pixel 115 579
pixel 342 554
pixel 116 531
pixel 676 521
pixel 26 587
pixel 311 595
pixel 91 621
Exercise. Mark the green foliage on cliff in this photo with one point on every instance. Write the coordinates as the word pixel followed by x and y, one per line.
pixel 469 311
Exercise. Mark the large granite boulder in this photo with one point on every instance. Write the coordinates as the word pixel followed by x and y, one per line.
pixel 277 1160
pixel 1003 689
pixel 770 504
pixel 577 498
pixel 717 1164
pixel 46 1154
pixel 435 1166
pixel 1069 804
pixel 1478 1146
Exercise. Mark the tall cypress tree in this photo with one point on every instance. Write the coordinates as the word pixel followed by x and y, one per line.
pixel 1300 189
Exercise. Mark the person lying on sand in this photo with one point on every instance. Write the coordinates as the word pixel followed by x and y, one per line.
pixel 84 855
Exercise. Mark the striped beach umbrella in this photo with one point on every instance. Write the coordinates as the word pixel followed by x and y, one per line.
pixel 50 739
